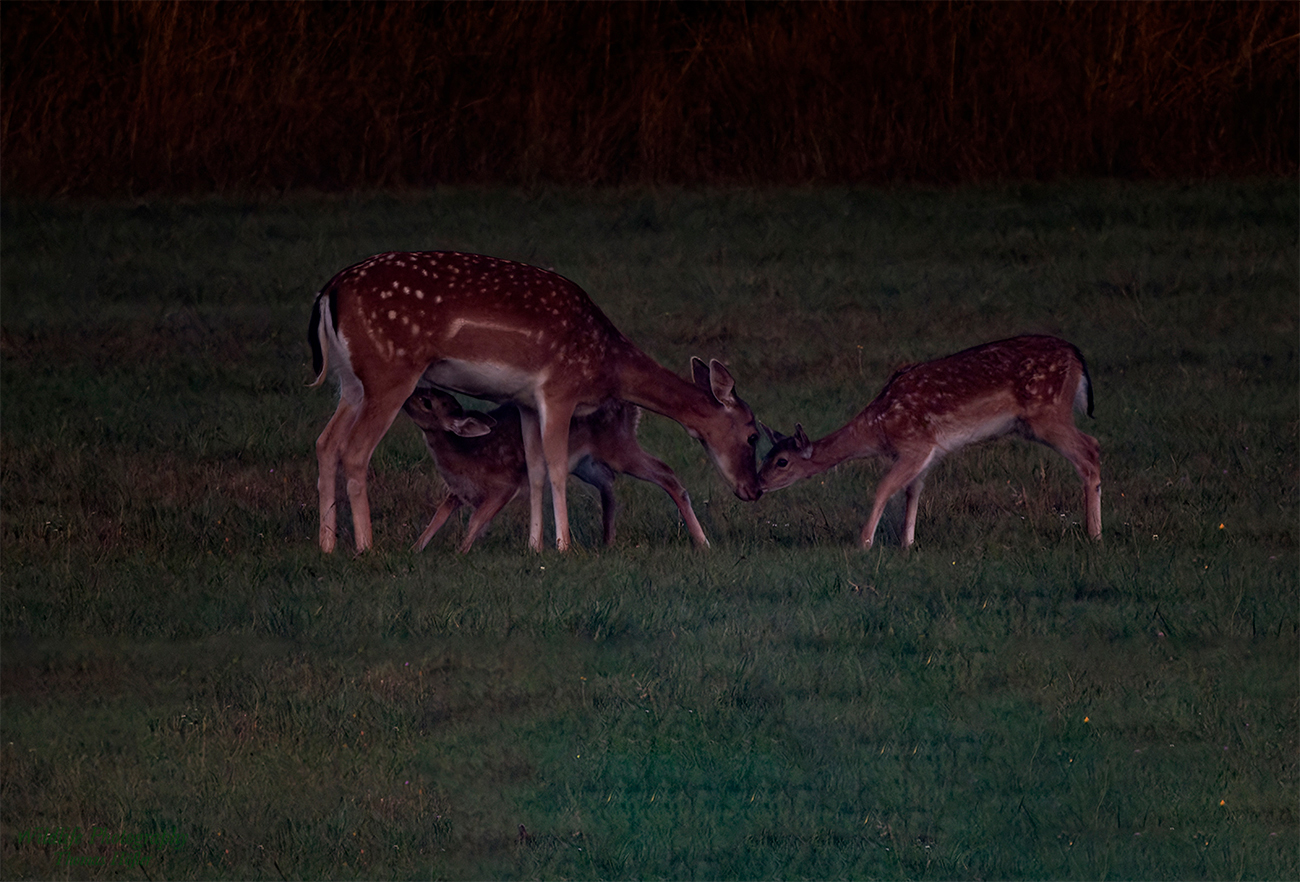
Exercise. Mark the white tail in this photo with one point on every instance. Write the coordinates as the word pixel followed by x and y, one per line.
pixel 503 331
pixel 481 459
pixel 1026 385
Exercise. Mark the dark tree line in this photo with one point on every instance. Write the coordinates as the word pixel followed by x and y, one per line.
pixel 117 98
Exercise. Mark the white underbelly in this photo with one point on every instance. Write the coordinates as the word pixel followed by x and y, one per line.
pixel 485 379
pixel 958 435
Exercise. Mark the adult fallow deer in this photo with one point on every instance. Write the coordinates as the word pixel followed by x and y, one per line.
pixel 481 459
pixel 503 331
pixel 1026 385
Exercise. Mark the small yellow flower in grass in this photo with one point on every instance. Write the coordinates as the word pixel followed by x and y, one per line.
pixel 1085 719
pixel 1220 526
pixel 1223 802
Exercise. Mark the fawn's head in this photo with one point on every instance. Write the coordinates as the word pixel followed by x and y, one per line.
pixel 435 411
pixel 788 461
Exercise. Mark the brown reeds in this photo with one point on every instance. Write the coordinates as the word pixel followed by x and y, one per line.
pixel 167 97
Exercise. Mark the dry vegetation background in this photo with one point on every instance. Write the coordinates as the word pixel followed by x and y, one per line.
pixel 171 98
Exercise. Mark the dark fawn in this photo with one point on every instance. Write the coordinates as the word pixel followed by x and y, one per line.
pixel 1028 386
pixel 480 457
pixel 505 332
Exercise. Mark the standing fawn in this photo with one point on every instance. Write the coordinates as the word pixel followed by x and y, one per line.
pixel 1028 386
pixel 481 459
pixel 507 332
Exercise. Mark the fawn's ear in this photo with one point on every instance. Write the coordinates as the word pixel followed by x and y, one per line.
pixel 801 442
pixel 770 434
pixel 470 427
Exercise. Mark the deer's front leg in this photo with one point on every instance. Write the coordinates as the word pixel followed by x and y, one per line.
pixel 536 462
pixel 555 446
pixel 449 505
pixel 647 468
pixel 483 515
pixel 906 470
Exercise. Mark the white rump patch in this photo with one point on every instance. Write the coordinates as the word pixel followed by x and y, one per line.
pixel 350 388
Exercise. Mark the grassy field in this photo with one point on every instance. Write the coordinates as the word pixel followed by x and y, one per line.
pixel 191 690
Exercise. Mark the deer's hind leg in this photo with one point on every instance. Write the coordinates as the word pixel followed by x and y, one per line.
pixel 913 501
pixel 1084 453
pixel 328 452
pixel 600 476
pixel 374 417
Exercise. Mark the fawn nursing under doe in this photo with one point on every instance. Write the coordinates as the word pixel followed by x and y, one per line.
pixel 1027 385
pixel 481 459
pixel 505 332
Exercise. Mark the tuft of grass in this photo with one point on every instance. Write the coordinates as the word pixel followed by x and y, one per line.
pixel 1007 699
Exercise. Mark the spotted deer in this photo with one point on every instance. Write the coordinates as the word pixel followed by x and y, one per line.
pixel 481 459
pixel 1028 386
pixel 505 332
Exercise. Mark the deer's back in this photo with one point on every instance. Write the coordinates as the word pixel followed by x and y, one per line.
pixel 424 308
pixel 979 392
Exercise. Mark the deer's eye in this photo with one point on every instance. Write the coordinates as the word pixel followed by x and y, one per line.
pixel 753 440
pixel 782 462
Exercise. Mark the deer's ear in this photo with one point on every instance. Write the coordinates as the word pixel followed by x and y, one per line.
pixel 699 372
pixel 471 427
pixel 721 383
pixel 715 379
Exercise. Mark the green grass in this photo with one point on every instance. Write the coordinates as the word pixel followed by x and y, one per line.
pixel 1006 700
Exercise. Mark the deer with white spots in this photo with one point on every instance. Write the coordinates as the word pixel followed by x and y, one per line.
pixel 506 332
pixel 1028 386
pixel 481 459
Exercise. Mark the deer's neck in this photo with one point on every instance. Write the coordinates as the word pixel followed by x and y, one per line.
pixel 643 381
pixel 857 439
